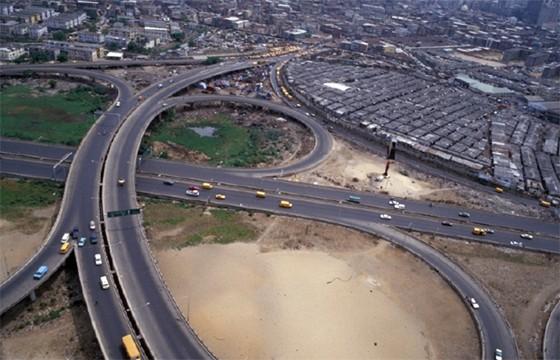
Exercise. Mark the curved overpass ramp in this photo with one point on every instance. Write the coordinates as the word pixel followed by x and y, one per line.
pixel 80 205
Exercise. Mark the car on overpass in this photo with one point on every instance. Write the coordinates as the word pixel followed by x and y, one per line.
pixel 40 272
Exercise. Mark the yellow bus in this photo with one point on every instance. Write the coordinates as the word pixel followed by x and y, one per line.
pixel 130 347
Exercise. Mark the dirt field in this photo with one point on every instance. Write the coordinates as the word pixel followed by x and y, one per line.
pixel 310 290
pixel 355 168
pixel 18 243
pixel 524 284
pixel 57 322
pixel 489 59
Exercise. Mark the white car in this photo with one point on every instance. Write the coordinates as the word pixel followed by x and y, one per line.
pixel 118 104
pixel 65 238
pixel 160 85
pixel 385 216
pixel 104 282
pixel 516 243
pixel 498 354
pixel 526 236
pixel 393 202
pixel 92 225
pixel 400 206
pixel 97 258
pixel 164 105
pixel 194 193
pixel 474 303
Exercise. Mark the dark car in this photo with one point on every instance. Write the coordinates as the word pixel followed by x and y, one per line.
pixel 464 214
pixel 75 232
pixel 168 182
pixel 194 187
pixel 93 238
pixel 446 223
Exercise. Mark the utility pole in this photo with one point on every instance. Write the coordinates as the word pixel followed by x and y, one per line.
pixel 390 156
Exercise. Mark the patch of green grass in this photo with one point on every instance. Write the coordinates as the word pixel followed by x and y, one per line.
pixel 17 197
pixel 222 226
pixel 231 145
pixel 63 118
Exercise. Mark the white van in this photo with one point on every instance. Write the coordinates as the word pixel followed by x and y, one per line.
pixel 104 282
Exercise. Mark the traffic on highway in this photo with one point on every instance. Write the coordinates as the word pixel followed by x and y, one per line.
pixel 130 307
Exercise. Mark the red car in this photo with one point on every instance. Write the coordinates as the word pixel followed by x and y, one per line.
pixel 194 187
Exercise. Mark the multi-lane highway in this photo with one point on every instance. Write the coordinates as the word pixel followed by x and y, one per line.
pixel 160 323
pixel 80 204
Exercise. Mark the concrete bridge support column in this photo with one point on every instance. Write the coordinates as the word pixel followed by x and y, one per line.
pixel 32 296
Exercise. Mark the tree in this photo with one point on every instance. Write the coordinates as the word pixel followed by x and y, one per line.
pixel 59 36
pixel 62 57
pixel 211 60
pixel 23 58
pixel 39 57
pixel 112 46
pixel 52 83
pixel 178 36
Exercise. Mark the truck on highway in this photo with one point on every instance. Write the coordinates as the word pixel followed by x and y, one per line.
pixel 130 347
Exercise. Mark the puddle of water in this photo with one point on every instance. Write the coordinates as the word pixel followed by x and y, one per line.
pixel 207 131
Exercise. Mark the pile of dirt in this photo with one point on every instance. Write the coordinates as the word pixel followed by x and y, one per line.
pixel 524 284
pixel 177 152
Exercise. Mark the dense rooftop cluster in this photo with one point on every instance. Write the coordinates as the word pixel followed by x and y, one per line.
pixel 431 119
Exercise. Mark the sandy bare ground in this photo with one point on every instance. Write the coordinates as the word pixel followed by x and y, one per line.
pixel 524 284
pixel 489 60
pixel 354 168
pixel 343 294
pixel 351 168
pixel 18 243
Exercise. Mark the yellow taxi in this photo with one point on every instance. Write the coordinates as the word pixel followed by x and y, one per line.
pixel 285 204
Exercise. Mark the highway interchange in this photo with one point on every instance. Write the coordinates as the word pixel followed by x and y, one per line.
pixel 111 147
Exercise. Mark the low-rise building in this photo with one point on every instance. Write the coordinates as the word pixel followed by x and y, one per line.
pixel 7 28
pixel 66 21
pixel 37 31
pixel 10 54
pixel 91 37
